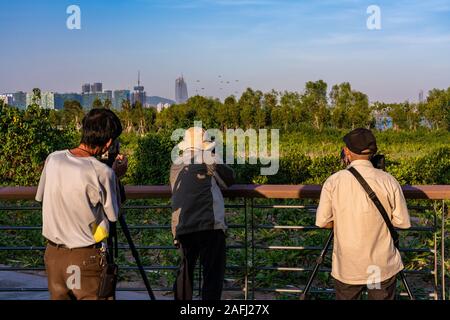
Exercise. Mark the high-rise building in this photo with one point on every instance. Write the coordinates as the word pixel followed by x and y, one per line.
pixel 85 88
pixel 109 95
pixel 97 87
pixel 421 99
pixel 119 97
pixel 29 99
pixel 7 98
pixel 87 100
pixel 60 98
pixel 181 93
pixel 139 94
pixel 20 99
pixel 47 100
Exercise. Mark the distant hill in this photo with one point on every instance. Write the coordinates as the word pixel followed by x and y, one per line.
pixel 154 100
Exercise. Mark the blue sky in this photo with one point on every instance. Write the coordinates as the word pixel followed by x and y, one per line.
pixel 264 44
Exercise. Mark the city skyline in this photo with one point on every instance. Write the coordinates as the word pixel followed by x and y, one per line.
pixel 264 44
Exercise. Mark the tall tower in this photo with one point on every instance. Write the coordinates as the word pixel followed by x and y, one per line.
pixel 421 100
pixel 181 93
pixel 139 93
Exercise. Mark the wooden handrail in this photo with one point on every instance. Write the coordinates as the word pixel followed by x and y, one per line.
pixel 271 191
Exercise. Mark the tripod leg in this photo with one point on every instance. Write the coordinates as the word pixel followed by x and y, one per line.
pixel 319 261
pixel 405 283
pixel 135 253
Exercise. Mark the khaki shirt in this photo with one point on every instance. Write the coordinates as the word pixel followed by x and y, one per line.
pixel 362 242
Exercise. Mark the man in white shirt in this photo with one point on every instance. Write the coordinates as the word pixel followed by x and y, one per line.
pixel 364 255
pixel 79 194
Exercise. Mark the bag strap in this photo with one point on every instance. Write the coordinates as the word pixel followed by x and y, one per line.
pixel 378 204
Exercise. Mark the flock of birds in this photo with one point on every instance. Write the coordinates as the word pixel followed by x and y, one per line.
pixel 222 83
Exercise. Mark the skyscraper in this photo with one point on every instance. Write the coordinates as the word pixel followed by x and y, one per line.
pixel 48 100
pixel 119 97
pixel 139 93
pixel 421 99
pixel 61 98
pixel 108 95
pixel 85 88
pixel 7 98
pixel 97 87
pixel 20 99
pixel 87 100
pixel 181 93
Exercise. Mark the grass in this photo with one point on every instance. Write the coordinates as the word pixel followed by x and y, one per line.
pixel 394 144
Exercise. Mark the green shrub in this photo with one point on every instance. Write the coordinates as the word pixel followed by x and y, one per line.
pixel 152 160
pixel 27 137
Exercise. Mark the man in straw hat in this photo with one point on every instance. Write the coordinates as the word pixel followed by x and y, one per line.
pixel 198 218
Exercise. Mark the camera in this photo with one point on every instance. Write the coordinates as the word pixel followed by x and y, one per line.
pixel 377 160
pixel 110 156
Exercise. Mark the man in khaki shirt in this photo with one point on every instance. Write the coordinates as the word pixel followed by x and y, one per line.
pixel 364 254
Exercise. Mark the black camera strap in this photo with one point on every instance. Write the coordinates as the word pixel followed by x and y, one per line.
pixel 378 204
pixel 392 231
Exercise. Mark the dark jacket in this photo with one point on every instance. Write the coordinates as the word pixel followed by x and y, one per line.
pixel 197 201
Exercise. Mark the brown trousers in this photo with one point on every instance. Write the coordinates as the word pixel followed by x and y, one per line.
pixel 353 292
pixel 73 274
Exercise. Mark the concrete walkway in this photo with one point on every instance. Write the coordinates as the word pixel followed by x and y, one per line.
pixel 12 279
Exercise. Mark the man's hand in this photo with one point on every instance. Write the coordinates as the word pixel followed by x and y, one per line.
pixel 329 225
pixel 120 165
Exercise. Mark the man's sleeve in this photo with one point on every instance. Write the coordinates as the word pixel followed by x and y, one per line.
pixel 324 214
pixel 111 196
pixel 41 187
pixel 400 215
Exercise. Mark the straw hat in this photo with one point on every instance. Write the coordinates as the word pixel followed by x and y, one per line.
pixel 196 138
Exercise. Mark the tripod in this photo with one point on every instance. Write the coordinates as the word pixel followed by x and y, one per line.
pixel 320 260
pixel 135 253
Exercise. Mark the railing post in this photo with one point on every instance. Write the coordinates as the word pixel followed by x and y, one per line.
pixel 246 250
pixel 199 279
pixel 252 268
pixel 443 271
pixel 435 266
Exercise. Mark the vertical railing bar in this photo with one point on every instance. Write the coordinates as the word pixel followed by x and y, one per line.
pixel 246 250
pixel 200 278
pixel 252 269
pixel 443 250
pixel 436 276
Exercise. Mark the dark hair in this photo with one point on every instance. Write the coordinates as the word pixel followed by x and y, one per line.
pixel 100 125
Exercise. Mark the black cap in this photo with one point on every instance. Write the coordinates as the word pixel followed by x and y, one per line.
pixel 359 140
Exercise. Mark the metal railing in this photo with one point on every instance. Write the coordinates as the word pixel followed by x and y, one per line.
pixel 263 233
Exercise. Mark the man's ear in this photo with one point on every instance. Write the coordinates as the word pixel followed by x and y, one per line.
pixel 108 144
pixel 346 151
pixel 348 154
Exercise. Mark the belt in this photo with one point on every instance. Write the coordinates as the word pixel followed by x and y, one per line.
pixel 97 245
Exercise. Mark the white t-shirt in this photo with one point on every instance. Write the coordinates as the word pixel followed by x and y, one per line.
pixel 363 248
pixel 79 195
